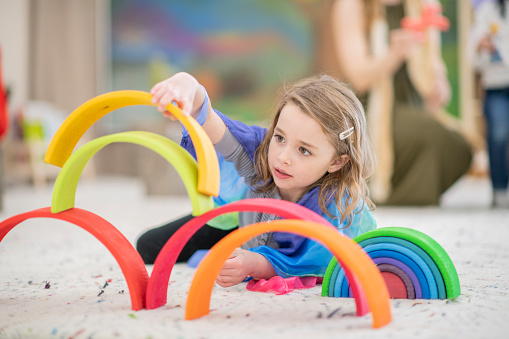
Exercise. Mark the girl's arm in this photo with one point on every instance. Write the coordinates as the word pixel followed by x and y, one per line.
pixel 185 90
pixel 359 67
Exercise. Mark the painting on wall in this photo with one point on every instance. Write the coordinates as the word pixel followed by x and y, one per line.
pixel 241 51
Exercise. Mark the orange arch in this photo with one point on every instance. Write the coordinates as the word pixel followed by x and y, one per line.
pixel 127 257
pixel 345 249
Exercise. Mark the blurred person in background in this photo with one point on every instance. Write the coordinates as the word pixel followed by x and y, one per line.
pixel 402 76
pixel 489 52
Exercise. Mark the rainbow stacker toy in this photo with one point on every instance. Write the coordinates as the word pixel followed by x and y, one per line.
pixel 201 179
pixel 413 265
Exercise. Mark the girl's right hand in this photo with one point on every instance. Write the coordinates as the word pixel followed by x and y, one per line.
pixel 181 88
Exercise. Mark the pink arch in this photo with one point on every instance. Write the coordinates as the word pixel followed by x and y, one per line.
pixel 127 257
pixel 157 287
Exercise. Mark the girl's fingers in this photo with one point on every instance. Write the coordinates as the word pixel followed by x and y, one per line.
pixel 177 89
pixel 222 280
pixel 227 274
pixel 156 87
pixel 232 263
pixel 224 284
pixel 229 265
pixel 227 281
pixel 167 98
pixel 157 94
pixel 164 96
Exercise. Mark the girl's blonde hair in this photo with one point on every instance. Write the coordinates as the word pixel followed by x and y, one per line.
pixel 336 108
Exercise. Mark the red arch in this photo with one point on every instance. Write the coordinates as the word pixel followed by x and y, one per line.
pixel 127 257
pixel 157 287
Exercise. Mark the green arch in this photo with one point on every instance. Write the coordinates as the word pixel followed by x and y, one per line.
pixel 64 191
pixel 430 246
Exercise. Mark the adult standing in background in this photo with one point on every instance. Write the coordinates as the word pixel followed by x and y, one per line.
pixel 404 78
pixel 489 51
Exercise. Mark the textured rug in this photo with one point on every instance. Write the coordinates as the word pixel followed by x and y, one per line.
pixel 58 281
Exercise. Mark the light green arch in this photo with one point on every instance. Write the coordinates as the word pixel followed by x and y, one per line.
pixel 64 191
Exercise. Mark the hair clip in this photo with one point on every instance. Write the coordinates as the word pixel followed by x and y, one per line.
pixel 346 134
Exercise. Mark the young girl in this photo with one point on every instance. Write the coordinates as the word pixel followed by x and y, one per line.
pixel 315 153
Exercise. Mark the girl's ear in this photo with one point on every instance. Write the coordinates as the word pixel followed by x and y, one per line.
pixel 338 163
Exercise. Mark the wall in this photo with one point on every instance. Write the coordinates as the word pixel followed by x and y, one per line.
pixel 14 45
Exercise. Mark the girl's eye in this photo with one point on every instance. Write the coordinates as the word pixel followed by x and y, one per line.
pixel 279 138
pixel 304 151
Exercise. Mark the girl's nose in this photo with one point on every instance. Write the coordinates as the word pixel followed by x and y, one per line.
pixel 284 156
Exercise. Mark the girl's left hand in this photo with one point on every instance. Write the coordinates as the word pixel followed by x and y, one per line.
pixel 238 266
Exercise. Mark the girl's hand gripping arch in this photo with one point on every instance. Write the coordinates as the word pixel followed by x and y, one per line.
pixel 185 91
pixel 182 89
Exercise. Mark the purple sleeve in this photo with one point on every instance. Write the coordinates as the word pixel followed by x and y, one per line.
pixel 250 137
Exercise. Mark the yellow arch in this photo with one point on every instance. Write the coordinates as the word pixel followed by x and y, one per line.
pixel 78 122
pixel 346 250
pixel 64 191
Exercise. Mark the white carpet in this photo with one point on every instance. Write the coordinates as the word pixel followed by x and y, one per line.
pixel 77 266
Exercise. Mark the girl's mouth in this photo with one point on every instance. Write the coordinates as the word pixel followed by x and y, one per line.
pixel 281 174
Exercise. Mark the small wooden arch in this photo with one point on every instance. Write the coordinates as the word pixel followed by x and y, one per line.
pixel 64 191
pixel 346 250
pixel 81 119
pixel 126 255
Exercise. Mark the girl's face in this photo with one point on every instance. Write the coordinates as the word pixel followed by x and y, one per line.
pixel 299 153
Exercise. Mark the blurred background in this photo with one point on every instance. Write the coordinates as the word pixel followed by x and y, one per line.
pixel 57 54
